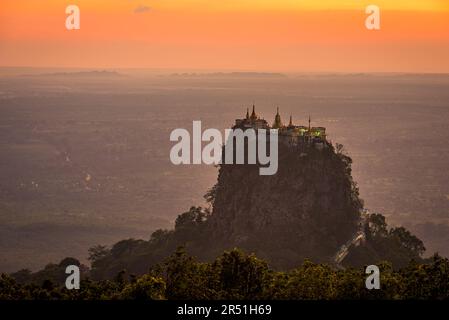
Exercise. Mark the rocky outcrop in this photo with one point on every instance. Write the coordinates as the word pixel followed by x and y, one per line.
pixel 308 209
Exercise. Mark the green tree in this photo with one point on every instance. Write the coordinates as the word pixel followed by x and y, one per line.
pixel 408 241
pixel 241 276
pixel 186 278
pixel 97 252
pixel 311 282
pixel 146 287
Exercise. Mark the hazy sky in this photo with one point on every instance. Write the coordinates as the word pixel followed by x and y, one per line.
pixel 277 35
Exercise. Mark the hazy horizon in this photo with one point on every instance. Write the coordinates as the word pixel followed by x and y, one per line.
pixel 19 71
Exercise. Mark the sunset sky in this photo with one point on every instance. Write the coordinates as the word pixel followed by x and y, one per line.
pixel 263 35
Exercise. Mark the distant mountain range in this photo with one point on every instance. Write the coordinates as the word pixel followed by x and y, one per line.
pixel 231 75
pixel 94 73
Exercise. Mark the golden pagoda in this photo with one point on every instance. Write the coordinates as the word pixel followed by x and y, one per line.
pixel 277 121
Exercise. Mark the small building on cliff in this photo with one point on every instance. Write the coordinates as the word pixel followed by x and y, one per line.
pixel 291 133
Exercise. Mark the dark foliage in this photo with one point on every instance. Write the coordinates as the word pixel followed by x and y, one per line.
pixel 236 275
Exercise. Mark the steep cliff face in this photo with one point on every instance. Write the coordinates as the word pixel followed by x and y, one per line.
pixel 307 209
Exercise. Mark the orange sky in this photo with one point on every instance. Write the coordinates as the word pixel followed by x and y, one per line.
pixel 276 35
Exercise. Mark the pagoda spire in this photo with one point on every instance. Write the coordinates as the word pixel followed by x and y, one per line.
pixel 253 114
pixel 247 113
pixel 309 123
pixel 290 124
pixel 277 120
